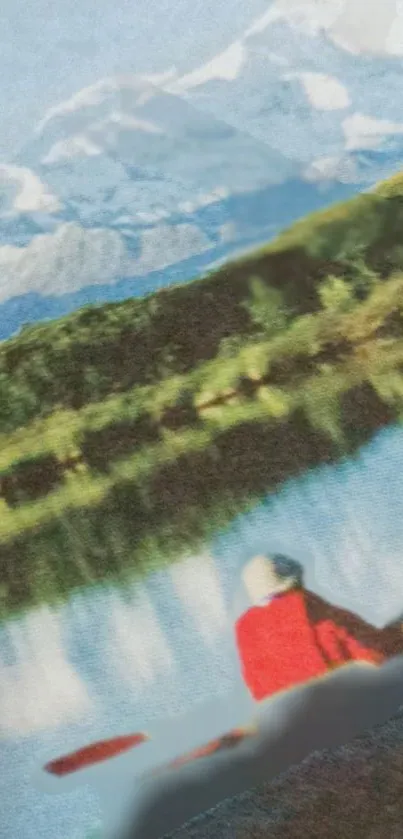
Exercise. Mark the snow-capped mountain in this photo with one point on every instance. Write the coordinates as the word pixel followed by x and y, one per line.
pixel 161 176
pixel 126 147
pixel 296 85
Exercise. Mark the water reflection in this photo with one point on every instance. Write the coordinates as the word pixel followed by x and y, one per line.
pixel 110 661
pixel 137 648
pixel 197 584
pixel 105 645
pixel 343 523
pixel 40 689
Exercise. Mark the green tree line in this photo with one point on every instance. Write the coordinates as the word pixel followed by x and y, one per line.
pixel 100 350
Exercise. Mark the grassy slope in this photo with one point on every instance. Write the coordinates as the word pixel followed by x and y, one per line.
pixel 98 350
pixel 320 386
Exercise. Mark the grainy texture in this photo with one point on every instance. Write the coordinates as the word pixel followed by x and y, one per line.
pixel 353 792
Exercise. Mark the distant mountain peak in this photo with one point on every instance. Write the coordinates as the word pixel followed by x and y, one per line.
pixel 135 173
pixel 138 85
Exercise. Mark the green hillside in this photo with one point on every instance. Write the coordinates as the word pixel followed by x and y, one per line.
pixel 108 349
pixel 130 432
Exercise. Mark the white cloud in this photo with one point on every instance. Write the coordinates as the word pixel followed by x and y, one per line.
pixel 137 649
pixel 40 689
pixel 27 193
pixel 364 132
pixel 324 92
pixel 197 584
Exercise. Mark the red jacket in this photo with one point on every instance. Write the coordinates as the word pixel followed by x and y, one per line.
pixel 297 636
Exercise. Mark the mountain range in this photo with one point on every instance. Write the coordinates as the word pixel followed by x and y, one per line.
pixel 141 181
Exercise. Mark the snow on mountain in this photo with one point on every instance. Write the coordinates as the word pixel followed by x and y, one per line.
pixel 99 93
pixel 348 24
pixel 22 191
pixel 135 173
pixel 227 65
pixel 160 134
pixel 141 179
pixel 293 107
pixel 323 92
pixel 295 82
pixel 363 132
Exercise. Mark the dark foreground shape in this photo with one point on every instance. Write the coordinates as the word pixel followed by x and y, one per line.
pixel 354 792
pixel 325 715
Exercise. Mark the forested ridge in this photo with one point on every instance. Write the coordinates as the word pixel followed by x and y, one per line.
pixel 106 349
pixel 133 430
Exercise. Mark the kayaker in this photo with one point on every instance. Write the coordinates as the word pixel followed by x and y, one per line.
pixel 290 635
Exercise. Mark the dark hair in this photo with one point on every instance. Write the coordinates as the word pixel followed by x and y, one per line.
pixel 287 567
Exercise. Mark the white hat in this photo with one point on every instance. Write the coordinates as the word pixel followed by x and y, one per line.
pixel 264 576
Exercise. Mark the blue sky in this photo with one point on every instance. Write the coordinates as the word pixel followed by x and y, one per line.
pixel 51 49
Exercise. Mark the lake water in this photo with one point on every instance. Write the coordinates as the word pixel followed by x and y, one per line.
pixel 162 658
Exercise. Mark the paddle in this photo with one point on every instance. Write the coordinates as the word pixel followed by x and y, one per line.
pixel 94 753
